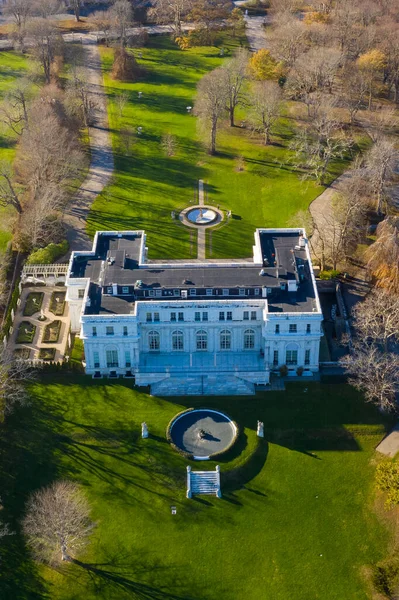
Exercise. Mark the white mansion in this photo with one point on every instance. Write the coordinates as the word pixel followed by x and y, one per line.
pixel 196 327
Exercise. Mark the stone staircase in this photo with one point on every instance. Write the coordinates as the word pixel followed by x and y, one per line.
pixel 203 483
pixel 203 385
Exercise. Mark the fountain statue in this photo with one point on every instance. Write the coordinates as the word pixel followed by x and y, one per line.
pixel 144 430
pixel 260 431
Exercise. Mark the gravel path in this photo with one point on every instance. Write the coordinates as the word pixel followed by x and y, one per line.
pixel 102 162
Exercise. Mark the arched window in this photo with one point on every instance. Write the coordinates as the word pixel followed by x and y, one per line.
pixel 249 339
pixel 177 340
pixel 153 341
pixel 202 340
pixel 111 355
pixel 225 340
pixel 291 354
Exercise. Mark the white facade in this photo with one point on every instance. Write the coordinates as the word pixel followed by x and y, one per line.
pixel 157 338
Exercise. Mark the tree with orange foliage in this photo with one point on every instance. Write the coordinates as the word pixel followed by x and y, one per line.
pixel 372 64
pixel 263 66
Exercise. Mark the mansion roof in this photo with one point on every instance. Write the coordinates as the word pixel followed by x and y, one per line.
pixel 120 274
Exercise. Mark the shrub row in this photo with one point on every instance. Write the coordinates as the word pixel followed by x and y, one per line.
pixel 49 254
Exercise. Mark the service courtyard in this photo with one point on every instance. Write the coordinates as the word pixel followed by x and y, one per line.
pixel 295 521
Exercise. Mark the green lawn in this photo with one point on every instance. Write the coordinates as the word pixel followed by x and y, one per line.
pixel 295 522
pixel 12 67
pixel 147 185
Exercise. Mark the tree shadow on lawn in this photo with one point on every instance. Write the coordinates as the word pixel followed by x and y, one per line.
pixel 120 579
pixel 326 418
pixel 26 464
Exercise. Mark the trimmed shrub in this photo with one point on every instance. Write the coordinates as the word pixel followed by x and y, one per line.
pixel 299 371
pixel 327 275
pixel 57 303
pixel 49 254
pixel 52 332
pixel 125 67
pixel 26 333
pixel 33 303
pixel 47 353
pixel 283 370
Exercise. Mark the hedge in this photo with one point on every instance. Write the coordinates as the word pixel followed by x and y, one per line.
pixel 49 254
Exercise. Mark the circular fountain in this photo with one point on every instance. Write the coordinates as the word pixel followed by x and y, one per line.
pixel 201 215
pixel 202 433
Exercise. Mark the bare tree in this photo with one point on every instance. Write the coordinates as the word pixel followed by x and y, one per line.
pixel 354 90
pixel 376 319
pixel 375 373
pixel 235 74
pixel 121 100
pixel 9 192
pixel 14 375
pixel 57 522
pixel 46 8
pixel 79 96
pixel 380 123
pixel 172 12
pixel 20 10
pixel 14 110
pixel 381 161
pixel 76 5
pixel 318 145
pixel 210 104
pixel 122 14
pixel 47 42
pixel 169 144
pixel 288 40
pixel 383 255
pixel 266 107
pixel 103 20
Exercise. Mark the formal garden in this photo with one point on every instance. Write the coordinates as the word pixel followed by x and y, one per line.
pixel 259 184
pixel 295 513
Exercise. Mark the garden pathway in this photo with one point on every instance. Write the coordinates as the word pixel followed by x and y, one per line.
pixel 201 233
pixel 102 162
pixel 255 30
pixel 37 343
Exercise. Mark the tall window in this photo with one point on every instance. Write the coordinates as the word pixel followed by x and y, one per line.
pixel 249 339
pixel 221 316
pixel 156 317
pixel 125 330
pixel 96 360
pixel 293 328
pixel 177 340
pixel 109 330
pixel 153 341
pixel 112 358
pixel 173 316
pixel 202 340
pixel 149 317
pixel 181 316
pixel 307 357
pixel 94 331
pixel 253 315
pixel 308 330
pixel 204 316
pixel 225 340
pixel 229 315
pixel 277 330
pixel 246 315
pixel 291 354
pixel 128 362
pixel 198 316
pixel 275 358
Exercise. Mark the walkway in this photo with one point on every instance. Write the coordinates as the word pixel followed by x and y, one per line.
pixel 102 162
pixel 201 233
pixel 255 30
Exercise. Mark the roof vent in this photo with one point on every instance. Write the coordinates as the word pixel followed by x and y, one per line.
pixel 262 272
pixel 138 283
pixel 302 242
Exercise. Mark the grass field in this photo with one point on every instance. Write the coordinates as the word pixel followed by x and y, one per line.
pixel 12 67
pixel 295 522
pixel 147 185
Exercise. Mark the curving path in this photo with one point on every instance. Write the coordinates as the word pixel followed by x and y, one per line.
pixel 102 162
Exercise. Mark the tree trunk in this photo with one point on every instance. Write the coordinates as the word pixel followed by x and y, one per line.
pixel 213 137
pixel 231 113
